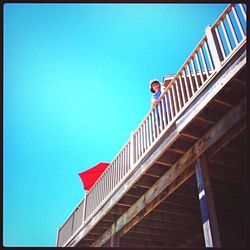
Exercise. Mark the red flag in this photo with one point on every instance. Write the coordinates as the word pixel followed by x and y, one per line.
pixel 90 176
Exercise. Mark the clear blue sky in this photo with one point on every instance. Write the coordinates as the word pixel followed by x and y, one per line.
pixel 76 80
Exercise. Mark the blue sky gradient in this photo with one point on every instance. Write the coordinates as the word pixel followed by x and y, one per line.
pixel 76 83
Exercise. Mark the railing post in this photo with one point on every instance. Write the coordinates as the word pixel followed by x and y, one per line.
pixel 84 208
pixel 214 48
pixel 132 150
pixel 208 211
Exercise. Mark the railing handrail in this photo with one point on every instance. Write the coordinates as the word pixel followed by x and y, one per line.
pixel 76 208
pixel 228 8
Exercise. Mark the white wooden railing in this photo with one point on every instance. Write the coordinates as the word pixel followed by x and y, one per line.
pixel 218 45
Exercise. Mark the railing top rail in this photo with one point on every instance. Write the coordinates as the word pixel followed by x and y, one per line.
pixel 67 219
pixel 223 14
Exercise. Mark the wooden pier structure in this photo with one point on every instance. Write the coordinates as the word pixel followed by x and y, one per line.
pixel 180 179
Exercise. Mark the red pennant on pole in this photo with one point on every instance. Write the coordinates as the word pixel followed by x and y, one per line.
pixel 91 175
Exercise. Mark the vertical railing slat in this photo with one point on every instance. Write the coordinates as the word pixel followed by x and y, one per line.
pixel 156 123
pixel 178 94
pixel 167 107
pixel 195 74
pixel 170 105
pixel 145 137
pixel 182 91
pixel 199 67
pixel 236 40
pixel 190 77
pixel 123 162
pixel 226 36
pixel 160 116
pixel 186 85
pixel 209 55
pixel 146 133
pixel 220 43
pixel 150 130
pixel 204 62
pixel 243 11
pixel 142 139
pixel 136 146
pixel 153 125
pixel 139 144
pixel 174 99
pixel 238 22
pixel 164 111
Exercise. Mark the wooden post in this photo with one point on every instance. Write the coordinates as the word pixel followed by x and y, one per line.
pixel 114 240
pixel 132 150
pixel 208 212
pixel 115 237
pixel 214 48
pixel 84 207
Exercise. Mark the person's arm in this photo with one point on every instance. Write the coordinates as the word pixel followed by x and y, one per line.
pixel 153 102
pixel 162 89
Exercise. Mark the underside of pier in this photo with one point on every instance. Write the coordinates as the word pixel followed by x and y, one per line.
pixel 164 208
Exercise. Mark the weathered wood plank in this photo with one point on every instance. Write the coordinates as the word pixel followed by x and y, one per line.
pixel 184 143
pixel 114 241
pixel 146 181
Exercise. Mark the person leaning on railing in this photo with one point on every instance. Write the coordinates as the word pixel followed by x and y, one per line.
pixel 157 89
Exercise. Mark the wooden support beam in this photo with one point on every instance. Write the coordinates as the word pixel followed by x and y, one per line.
pixel 195 137
pixel 209 115
pixel 208 211
pixel 163 163
pixel 202 118
pixel 114 241
pixel 173 178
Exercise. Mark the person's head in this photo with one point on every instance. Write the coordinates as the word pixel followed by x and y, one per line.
pixel 154 85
